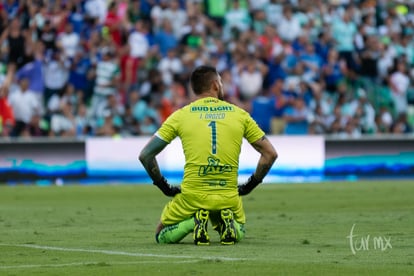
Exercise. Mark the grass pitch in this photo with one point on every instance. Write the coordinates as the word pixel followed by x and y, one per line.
pixel 358 228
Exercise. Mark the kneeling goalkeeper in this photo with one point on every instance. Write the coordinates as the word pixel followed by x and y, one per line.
pixel 211 131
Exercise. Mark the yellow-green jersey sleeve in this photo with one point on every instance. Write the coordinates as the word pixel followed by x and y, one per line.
pixel 169 129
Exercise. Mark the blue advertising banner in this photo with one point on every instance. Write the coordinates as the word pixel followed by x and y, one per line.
pixel 300 157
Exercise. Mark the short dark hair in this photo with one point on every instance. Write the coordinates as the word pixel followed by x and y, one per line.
pixel 201 78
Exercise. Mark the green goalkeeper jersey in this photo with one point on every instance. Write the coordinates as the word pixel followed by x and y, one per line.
pixel 211 133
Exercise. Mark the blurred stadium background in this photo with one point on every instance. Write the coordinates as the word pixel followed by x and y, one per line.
pixel 336 75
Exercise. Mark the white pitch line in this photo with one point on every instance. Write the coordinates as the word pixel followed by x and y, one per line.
pixel 111 252
pixel 89 263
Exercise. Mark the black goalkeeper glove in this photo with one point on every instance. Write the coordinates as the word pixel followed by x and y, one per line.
pixel 251 183
pixel 166 188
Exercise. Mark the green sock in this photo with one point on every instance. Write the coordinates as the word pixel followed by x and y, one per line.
pixel 240 230
pixel 177 232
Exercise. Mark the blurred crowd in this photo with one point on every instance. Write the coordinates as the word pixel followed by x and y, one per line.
pixel 79 68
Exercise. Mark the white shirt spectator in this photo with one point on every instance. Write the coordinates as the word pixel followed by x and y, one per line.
pixel 176 16
pixel 250 83
pixel 169 66
pixel 69 43
pixel 139 45
pixel 59 123
pixel 385 63
pixel 96 9
pixel 56 73
pixel 399 86
pixel 289 28
pixel 53 104
pixel 400 82
pixel 24 104
pixel 63 123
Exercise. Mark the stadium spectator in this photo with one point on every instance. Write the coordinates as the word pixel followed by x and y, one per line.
pixel 68 41
pixel 288 27
pixel 80 66
pixel 82 123
pixel 322 100
pixel 338 47
pixel 63 123
pixel 134 12
pixel 37 127
pixel 399 82
pixel 58 15
pixel 34 72
pixel 384 120
pixel 369 57
pixel 192 35
pixel 130 124
pixel 259 21
pixel 62 96
pixel 113 106
pixel 311 62
pixel 169 66
pixel 401 125
pixel 252 74
pixel 76 17
pixel 148 126
pixel 323 45
pixel 236 20
pixel 106 126
pixel 17 41
pixel 107 79
pixel 318 121
pixel 25 105
pixel 139 47
pixel 262 106
pixel 56 73
pixel 274 11
pixel 280 98
pixel 113 25
pixel 165 38
pixel 296 117
pixel 333 71
pixel 270 42
pixel 352 128
pixel 6 114
pixel 176 16
pixel 178 95
pixel 157 13
pixel 364 111
pixel 48 35
pixel 343 32
pixel 96 9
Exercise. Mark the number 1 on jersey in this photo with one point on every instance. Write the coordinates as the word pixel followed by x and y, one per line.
pixel 212 124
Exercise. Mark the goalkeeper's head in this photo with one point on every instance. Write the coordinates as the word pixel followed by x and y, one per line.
pixel 206 81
